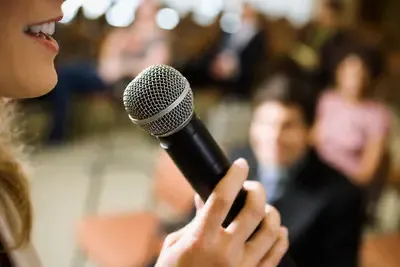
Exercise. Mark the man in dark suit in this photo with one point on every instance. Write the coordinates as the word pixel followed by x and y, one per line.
pixel 323 211
pixel 231 63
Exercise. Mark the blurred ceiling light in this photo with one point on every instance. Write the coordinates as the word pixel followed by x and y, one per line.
pixel 122 14
pixel 230 22
pixel 93 9
pixel 70 9
pixel 210 8
pixel 183 7
pixel 206 13
pixel 234 5
pixel 300 13
pixel 167 18
pixel 203 20
pixel 275 8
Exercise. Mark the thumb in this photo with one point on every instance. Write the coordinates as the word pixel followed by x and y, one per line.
pixel 174 237
pixel 171 239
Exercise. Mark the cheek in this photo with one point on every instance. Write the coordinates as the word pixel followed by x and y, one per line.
pixel 26 70
pixel 259 135
pixel 300 144
pixel 11 58
pixel 294 140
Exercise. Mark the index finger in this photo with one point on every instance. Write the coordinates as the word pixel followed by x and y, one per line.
pixel 221 199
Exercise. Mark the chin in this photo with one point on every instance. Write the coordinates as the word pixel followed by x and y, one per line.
pixel 41 85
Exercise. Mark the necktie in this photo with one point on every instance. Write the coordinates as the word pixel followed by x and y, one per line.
pixel 270 180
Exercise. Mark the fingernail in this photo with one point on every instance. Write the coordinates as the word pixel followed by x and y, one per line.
pixel 284 231
pixel 241 163
pixel 267 208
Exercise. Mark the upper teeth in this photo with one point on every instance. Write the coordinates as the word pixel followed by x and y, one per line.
pixel 46 28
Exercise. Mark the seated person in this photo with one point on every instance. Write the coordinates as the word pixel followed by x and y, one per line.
pixel 231 63
pixel 323 211
pixel 127 51
pixel 352 129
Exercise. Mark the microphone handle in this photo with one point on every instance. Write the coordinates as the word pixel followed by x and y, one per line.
pixel 201 161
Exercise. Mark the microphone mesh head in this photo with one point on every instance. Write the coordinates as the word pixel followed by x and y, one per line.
pixel 159 100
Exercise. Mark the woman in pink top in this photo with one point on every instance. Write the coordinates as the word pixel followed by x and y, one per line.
pixel 352 129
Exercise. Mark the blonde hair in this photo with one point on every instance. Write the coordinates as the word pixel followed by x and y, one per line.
pixel 15 204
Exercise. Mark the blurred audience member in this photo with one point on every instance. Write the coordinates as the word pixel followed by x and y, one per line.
pixel 231 65
pixel 352 129
pixel 388 90
pixel 326 36
pixel 323 211
pixel 232 62
pixel 125 52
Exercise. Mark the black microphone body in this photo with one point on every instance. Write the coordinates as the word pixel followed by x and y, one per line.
pixel 201 161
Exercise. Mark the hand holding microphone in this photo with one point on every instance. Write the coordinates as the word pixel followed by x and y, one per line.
pixel 204 242
pixel 160 101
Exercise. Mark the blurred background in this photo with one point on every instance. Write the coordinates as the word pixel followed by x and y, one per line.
pixel 90 159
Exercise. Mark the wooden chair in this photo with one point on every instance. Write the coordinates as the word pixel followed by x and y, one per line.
pixel 381 251
pixel 123 240
pixel 133 239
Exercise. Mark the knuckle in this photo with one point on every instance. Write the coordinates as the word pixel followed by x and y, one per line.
pixel 256 212
pixel 221 202
pixel 201 244
pixel 225 258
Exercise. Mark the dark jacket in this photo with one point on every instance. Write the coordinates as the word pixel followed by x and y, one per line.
pixel 250 59
pixel 322 210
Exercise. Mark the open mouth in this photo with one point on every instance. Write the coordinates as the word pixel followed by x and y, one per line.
pixel 43 33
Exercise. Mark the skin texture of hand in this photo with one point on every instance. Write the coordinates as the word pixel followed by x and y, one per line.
pixel 203 242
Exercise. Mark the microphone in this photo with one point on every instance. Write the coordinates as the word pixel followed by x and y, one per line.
pixel 160 101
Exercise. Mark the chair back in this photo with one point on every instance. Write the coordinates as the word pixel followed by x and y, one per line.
pixel 171 188
pixel 120 240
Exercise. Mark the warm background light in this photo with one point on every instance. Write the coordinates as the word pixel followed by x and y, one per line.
pixel 120 13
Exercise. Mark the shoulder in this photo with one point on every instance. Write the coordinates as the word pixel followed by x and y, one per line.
pixel 378 107
pixel 328 94
pixel 327 98
pixel 378 113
